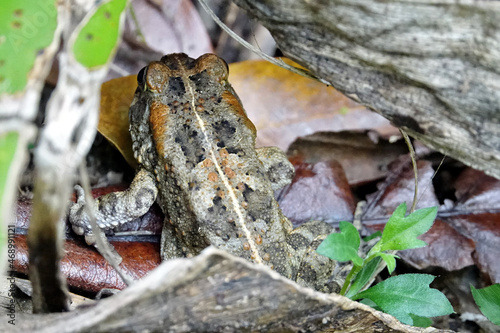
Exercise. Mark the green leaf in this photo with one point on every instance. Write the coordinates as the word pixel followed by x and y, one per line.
pixel 96 41
pixel 26 28
pixel 488 300
pixel 408 294
pixel 372 236
pixel 342 246
pixel 363 277
pixel 370 303
pixel 421 321
pixel 390 260
pixel 400 232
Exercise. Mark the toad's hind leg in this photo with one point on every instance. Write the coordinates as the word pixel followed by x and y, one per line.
pixel 314 270
pixel 171 247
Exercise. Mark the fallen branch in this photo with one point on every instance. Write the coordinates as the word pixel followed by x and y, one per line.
pixel 216 292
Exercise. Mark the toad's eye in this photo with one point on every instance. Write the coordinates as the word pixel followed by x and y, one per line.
pixel 141 78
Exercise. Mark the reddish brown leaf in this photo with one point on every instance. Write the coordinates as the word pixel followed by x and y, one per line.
pixel 477 191
pixel 447 248
pixel 97 192
pixel 83 266
pixel 23 213
pixel 476 215
pixel 399 187
pixel 318 192
pixel 483 229
pixel 466 232
pixel 363 157
pixel 86 269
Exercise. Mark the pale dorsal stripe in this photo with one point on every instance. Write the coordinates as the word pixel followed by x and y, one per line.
pixel 222 175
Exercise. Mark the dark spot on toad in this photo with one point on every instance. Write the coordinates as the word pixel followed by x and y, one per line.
pixel 307 272
pixel 176 86
pixel 297 241
pixel 224 128
pixel 216 200
pixel 235 150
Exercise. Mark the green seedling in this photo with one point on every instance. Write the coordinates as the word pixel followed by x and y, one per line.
pixel 407 297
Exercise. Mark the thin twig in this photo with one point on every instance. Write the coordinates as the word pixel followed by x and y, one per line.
pixel 102 244
pixel 383 264
pixel 433 175
pixel 138 30
pixel 415 169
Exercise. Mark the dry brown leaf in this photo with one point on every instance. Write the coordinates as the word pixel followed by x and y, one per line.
pixel 318 192
pixel 86 269
pixel 363 158
pixel 284 105
pixel 399 187
pixel 447 248
pixel 476 215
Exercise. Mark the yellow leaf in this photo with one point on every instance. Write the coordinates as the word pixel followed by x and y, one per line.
pixel 116 96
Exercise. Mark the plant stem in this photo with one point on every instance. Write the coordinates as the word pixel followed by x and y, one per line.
pixel 355 270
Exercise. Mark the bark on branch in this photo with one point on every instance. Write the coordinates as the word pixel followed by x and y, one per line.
pixel 216 292
pixel 431 67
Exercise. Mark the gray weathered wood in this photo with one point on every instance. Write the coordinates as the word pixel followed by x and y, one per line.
pixel 215 292
pixel 431 67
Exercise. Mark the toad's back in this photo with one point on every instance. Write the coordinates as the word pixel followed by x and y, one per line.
pixel 190 130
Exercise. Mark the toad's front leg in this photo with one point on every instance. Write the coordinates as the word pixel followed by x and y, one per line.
pixel 114 209
pixel 278 168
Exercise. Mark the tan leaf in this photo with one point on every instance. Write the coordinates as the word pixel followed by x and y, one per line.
pixel 284 105
pixel 116 96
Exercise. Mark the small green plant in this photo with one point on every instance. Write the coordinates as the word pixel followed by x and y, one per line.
pixel 488 300
pixel 407 297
